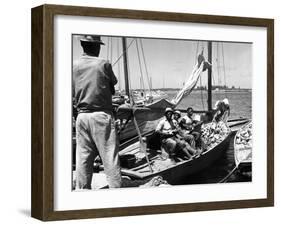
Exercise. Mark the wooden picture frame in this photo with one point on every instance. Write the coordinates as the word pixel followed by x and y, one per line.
pixel 42 203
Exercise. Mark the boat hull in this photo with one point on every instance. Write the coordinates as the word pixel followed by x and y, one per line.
pixel 175 174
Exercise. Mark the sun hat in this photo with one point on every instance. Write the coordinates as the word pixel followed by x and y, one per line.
pixel 168 110
pixel 177 112
pixel 92 38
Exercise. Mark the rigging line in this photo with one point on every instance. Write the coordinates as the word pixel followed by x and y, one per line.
pixel 213 77
pixel 218 69
pixel 131 96
pixel 138 53
pixel 145 65
pixel 200 79
pixel 234 169
pixel 197 46
pixel 119 71
pixel 128 46
pixel 223 69
pixel 111 49
pixel 201 91
pixel 107 50
pixel 224 180
pixel 217 64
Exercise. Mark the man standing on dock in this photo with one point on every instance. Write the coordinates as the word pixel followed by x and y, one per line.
pixel 93 87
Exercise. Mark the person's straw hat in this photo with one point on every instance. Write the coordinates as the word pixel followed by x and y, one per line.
pixel 177 112
pixel 168 110
pixel 92 39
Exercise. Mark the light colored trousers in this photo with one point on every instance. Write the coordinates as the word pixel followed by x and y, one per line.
pixel 96 135
pixel 169 145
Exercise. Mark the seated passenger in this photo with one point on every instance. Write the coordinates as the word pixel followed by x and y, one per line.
pixel 176 117
pixel 167 128
pixel 189 125
pixel 183 142
pixel 170 141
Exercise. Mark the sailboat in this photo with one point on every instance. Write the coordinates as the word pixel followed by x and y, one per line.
pixel 144 150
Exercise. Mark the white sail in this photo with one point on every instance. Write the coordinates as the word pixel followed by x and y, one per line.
pixel 189 84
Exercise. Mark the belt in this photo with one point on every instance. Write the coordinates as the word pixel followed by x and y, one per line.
pixel 94 110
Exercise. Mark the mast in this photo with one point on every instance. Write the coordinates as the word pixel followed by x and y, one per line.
pixel 125 59
pixel 210 77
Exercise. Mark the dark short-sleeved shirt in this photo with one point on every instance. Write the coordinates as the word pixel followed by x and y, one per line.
pixel 93 84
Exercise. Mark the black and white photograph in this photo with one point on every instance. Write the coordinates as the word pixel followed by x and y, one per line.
pixel 150 112
pixel 153 112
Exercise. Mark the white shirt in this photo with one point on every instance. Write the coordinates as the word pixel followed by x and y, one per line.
pixel 188 120
pixel 165 126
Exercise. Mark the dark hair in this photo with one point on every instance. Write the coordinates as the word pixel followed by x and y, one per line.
pixel 189 108
pixel 91 48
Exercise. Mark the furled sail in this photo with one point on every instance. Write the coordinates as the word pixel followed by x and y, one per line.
pixel 189 84
pixel 149 112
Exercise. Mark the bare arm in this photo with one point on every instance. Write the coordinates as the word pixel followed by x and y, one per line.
pixel 159 130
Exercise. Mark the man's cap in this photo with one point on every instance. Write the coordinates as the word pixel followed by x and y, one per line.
pixel 168 110
pixel 177 112
pixel 92 38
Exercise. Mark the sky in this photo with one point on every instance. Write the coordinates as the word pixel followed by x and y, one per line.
pixel 170 62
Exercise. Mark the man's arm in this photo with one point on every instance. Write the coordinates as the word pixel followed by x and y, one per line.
pixel 159 127
pixel 196 121
pixel 159 130
pixel 185 125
